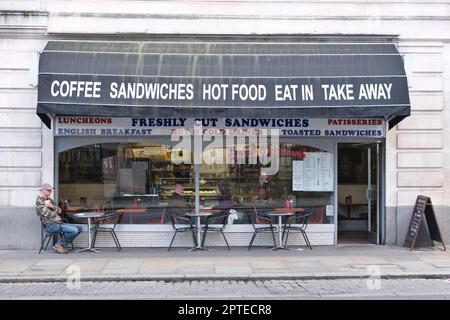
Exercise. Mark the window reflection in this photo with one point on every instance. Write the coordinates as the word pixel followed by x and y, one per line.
pixel 138 179
pixel 248 185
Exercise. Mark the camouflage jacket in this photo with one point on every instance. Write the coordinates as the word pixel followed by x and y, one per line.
pixel 48 215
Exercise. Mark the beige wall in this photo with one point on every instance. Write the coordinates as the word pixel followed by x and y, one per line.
pixel 421 144
pixel 25 146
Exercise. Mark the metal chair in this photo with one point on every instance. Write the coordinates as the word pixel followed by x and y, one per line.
pixel 302 220
pixel 47 236
pixel 220 219
pixel 258 220
pixel 112 218
pixel 175 219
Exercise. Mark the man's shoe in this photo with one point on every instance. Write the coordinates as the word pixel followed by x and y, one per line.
pixel 59 248
pixel 67 248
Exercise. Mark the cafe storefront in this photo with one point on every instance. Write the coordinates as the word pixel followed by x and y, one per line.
pixel 276 124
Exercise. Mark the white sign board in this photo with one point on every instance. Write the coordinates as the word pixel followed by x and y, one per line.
pixel 297 175
pixel 288 127
pixel 316 170
pixel 326 165
pixel 329 210
pixel 310 172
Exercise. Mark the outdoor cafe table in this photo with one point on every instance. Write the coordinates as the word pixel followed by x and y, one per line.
pixel 198 216
pixel 88 216
pixel 282 212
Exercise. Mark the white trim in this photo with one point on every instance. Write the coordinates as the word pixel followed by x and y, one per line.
pixel 218 77
pixel 229 42
pixel 218 106
pixel 225 54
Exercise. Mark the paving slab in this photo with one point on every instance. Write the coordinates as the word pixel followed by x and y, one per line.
pixel 86 269
pixel 157 271
pixel 41 273
pixel 124 263
pixel 272 271
pixel 17 262
pixel 122 271
pixel 308 270
pixel 14 269
pixel 137 263
pixel 233 269
pixel 343 270
pixel 337 275
pixel 162 261
pixel 380 265
pixel 335 265
pixel 50 262
pixel 266 264
pixel 367 260
pixel 416 265
pixel 306 264
pixel 8 274
pixel 194 272
pixel 441 264
pixel 92 263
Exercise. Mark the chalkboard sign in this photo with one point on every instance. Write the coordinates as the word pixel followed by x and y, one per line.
pixel 423 220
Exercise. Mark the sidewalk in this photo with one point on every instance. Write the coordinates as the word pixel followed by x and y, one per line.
pixel 327 262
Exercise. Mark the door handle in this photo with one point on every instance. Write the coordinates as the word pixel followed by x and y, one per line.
pixel 369 194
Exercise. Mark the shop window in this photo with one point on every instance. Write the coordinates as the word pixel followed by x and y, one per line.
pixel 138 179
pixel 132 178
pixel 247 184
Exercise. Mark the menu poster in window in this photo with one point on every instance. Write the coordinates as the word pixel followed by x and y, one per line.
pixel 310 171
pixel 297 175
pixel 325 171
pixel 314 173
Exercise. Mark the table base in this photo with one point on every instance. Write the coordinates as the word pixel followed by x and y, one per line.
pixel 199 249
pixel 279 248
pixel 87 249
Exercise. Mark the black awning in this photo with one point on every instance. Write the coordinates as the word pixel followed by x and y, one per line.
pixel 222 79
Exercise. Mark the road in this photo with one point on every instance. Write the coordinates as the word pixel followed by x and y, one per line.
pixel 240 290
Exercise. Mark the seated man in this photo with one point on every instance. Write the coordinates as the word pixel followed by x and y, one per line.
pixel 177 203
pixel 49 211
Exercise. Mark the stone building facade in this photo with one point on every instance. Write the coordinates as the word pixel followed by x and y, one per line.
pixel 417 149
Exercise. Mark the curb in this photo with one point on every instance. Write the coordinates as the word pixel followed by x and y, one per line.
pixel 224 277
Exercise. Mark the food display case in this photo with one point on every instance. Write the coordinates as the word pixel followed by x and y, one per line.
pixel 207 191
